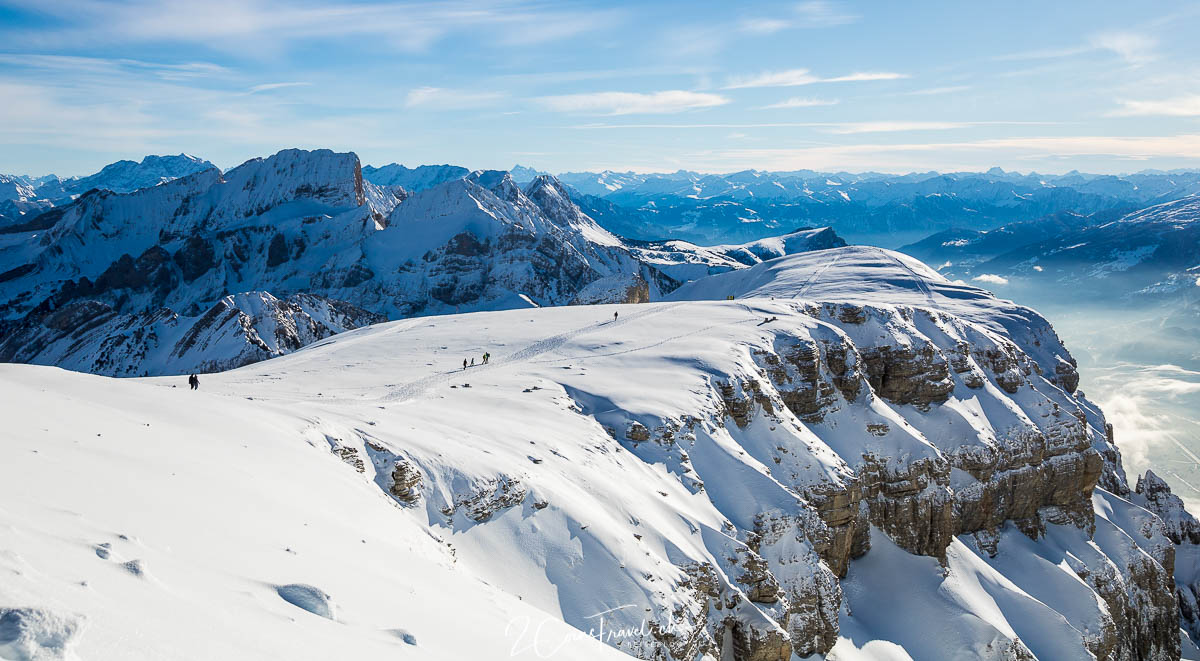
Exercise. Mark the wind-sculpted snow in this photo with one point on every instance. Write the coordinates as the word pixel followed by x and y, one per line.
pixel 742 479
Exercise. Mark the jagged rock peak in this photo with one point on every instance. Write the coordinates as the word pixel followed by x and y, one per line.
pixel 321 175
pixel 1180 525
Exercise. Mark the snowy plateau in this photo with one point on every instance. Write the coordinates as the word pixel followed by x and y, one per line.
pixel 784 449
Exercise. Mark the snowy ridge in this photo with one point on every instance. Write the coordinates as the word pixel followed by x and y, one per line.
pixel 305 223
pixel 686 261
pixel 22 197
pixel 415 179
pixel 720 479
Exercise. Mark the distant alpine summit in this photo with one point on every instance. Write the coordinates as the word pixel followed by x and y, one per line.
pixel 23 196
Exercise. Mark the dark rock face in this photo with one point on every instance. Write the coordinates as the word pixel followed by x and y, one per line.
pixel 908 375
pixel 277 251
pixel 195 258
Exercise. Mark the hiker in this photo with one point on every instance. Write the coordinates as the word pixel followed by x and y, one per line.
pixel 472 361
pixel 464 364
pixel 486 355
pixel 614 316
pixel 194 382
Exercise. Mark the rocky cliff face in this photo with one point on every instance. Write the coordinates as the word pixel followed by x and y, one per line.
pixel 91 336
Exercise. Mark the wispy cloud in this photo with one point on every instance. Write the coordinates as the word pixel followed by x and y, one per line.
pixel 812 14
pixel 839 128
pixel 630 103
pixel 946 155
pixel 439 98
pixel 275 86
pixel 892 126
pixel 801 102
pixel 1179 106
pixel 764 25
pixel 939 90
pixel 797 77
pixel 865 75
pixel 272 25
pixel 819 13
pixel 1133 47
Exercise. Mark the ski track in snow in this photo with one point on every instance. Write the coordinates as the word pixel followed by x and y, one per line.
pixel 812 279
pixel 918 280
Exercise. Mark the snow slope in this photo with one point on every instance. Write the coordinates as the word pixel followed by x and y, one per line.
pixel 700 481
pixel 138 524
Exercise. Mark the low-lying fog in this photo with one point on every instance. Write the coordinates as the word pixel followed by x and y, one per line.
pixel 1141 363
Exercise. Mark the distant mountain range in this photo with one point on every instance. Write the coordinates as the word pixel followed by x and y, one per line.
pixel 1136 276
pixel 1150 253
pixel 24 196
pixel 748 205
pixel 212 270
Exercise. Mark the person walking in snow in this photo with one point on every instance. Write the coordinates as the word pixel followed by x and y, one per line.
pixel 194 382
pixel 614 315
pixel 464 364
pixel 472 361
pixel 486 355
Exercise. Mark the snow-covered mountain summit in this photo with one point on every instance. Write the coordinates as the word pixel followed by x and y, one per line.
pixel 22 197
pixel 125 176
pixel 874 463
pixel 91 284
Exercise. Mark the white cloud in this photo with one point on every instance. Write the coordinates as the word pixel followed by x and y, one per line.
pixel 271 25
pixel 1180 106
pixel 629 103
pixel 865 75
pixel 812 14
pixel 991 279
pixel 1134 48
pixel 891 126
pixel 438 98
pixel 939 90
pixel 801 102
pixel 275 86
pixel 763 25
pixel 941 155
pixel 789 78
pixel 797 77
pixel 820 13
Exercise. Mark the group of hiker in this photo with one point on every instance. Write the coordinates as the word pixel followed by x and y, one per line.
pixel 486 357
pixel 194 382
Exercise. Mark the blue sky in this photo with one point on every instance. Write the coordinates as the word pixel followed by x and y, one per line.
pixel 709 86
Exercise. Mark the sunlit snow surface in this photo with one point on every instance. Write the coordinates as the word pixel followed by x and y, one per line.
pixel 147 521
